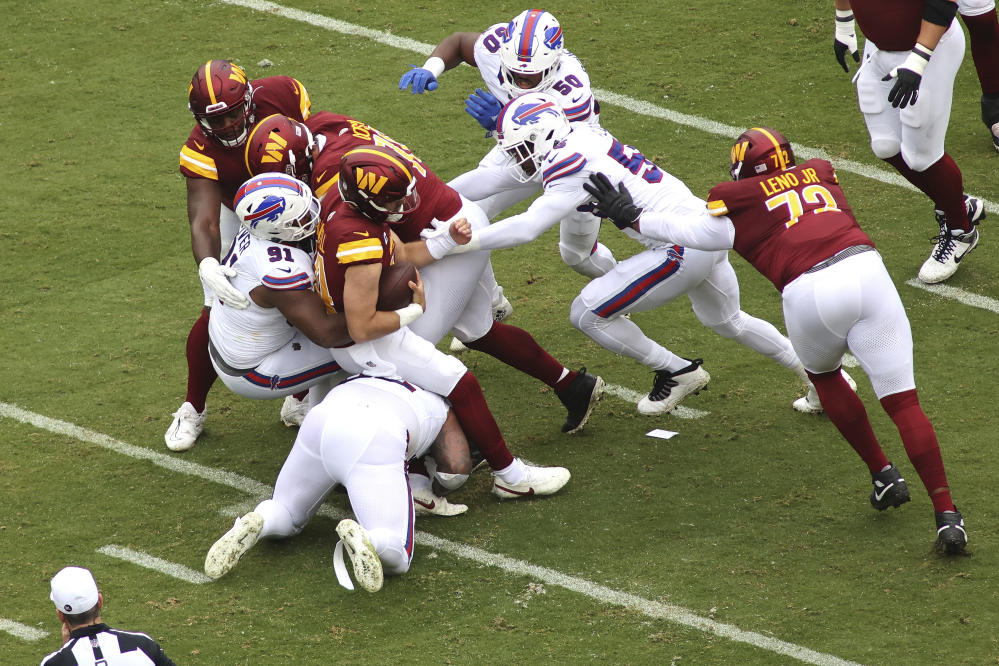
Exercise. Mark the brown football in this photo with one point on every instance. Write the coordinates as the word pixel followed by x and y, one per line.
pixel 393 286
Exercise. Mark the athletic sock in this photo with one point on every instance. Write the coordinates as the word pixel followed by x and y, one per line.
pixel 200 372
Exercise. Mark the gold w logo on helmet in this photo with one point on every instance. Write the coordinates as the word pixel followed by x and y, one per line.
pixel 371 182
pixel 739 152
pixel 237 73
pixel 274 149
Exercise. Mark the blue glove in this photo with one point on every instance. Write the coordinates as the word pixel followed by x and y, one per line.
pixel 421 80
pixel 482 106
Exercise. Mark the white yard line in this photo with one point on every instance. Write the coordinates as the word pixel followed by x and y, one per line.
pixel 148 561
pixel 22 631
pixel 603 594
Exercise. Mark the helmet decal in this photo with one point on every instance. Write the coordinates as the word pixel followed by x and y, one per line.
pixel 270 209
pixel 277 207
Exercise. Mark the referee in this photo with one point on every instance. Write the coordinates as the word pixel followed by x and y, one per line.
pixel 87 641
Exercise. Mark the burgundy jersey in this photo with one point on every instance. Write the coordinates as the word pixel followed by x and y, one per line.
pixel 346 238
pixel 787 222
pixel 343 133
pixel 892 25
pixel 203 157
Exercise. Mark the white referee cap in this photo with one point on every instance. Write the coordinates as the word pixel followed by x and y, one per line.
pixel 74 590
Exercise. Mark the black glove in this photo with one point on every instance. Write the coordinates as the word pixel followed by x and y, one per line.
pixel 908 76
pixel 846 39
pixel 616 205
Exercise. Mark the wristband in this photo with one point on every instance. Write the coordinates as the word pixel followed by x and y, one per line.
pixel 917 59
pixel 440 244
pixel 435 66
pixel 844 21
pixel 471 246
pixel 409 314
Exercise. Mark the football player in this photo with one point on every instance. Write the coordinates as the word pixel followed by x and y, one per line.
pixel 359 436
pixel 225 105
pixel 539 141
pixel 905 88
pixel 793 224
pixel 979 17
pixel 458 289
pixel 526 54
pixel 279 344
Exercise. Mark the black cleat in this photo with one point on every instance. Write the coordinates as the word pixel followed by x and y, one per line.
pixel 579 397
pixel 889 489
pixel 951 537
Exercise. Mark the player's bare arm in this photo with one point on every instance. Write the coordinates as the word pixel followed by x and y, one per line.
pixel 360 296
pixel 204 200
pixel 305 311
pixel 456 48
pixel 450 452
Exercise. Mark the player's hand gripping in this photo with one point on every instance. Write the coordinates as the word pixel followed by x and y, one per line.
pixel 482 106
pixel 846 38
pixel 616 205
pixel 216 277
pixel 421 80
pixel 418 296
pixel 461 231
pixel 908 76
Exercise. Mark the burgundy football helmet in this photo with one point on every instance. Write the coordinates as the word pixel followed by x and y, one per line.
pixel 759 151
pixel 377 182
pixel 220 97
pixel 279 143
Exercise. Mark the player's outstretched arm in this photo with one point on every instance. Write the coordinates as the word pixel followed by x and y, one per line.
pixel 453 50
pixel 304 309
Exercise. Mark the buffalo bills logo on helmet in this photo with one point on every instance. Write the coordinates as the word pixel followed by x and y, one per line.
pixel 553 37
pixel 270 209
pixel 527 113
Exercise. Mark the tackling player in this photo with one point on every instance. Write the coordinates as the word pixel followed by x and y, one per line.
pixel 226 105
pixel 458 289
pixel 794 225
pixel 539 141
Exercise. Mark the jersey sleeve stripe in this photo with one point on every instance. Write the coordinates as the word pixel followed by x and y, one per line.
pixel 579 112
pixel 717 208
pixel 569 165
pixel 361 250
pixel 198 163
pixel 289 283
pixel 324 188
pixel 305 103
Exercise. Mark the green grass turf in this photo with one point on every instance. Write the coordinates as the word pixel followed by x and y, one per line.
pixel 754 516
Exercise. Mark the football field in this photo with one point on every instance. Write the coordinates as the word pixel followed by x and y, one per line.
pixel 746 538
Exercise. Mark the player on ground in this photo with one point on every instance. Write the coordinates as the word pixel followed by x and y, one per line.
pixel 526 54
pixel 905 88
pixel 360 436
pixel 537 139
pixel 458 289
pixel 794 225
pixel 225 105
pixel 979 17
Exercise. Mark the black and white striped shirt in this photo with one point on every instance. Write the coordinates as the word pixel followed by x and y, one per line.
pixel 100 645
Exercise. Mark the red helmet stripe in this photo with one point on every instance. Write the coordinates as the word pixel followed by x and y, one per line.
pixel 527 34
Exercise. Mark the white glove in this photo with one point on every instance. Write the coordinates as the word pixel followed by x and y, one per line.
pixel 216 277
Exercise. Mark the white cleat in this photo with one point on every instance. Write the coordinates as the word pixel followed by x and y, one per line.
pixel 457 346
pixel 367 565
pixel 427 503
pixel 293 411
pixel 224 554
pixel 187 425
pixel 537 481
pixel 670 388
pixel 810 404
pixel 502 309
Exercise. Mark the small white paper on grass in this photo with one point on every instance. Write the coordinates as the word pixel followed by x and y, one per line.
pixel 661 434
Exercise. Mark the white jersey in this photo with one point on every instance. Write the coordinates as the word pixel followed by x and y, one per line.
pixel 591 149
pixel 245 337
pixel 571 87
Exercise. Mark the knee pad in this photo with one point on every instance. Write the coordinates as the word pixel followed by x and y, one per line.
pixel 576 312
pixel 591 264
pixel 885 148
pixel 731 328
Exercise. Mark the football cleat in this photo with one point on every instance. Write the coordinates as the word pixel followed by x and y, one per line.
pixel 810 403
pixel 889 489
pixel 990 116
pixel 187 425
pixel 536 481
pixel 367 565
pixel 579 397
pixel 669 388
pixel 502 309
pixel 951 537
pixel 457 346
pixel 951 245
pixel 293 411
pixel 225 553
pixel 426 503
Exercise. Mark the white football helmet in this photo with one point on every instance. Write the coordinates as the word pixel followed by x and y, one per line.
pixel 532 47
pixel 276 207
pixel 528 127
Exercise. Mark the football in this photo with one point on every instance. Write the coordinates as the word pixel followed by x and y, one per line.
pixel 393 286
